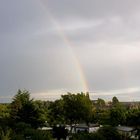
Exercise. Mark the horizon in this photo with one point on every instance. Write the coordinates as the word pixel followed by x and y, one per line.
pixel 53 98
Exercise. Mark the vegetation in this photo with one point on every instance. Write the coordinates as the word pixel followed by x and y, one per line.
pixel 24 110
pixel 22 118
pixel 105 133
pixel 77 108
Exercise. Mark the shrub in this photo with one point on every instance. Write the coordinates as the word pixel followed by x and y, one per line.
pixel 109 133
pixel 104 133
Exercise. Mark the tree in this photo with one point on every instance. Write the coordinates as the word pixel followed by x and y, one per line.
pixel 117 115
pixel 103 117
pixel 56 113
pixel 4 111
pixel 24 110
pixel 19 100
pixel 77 107
pixel 115 101
pixel 100 104
pixel 42 106
pixel 133 117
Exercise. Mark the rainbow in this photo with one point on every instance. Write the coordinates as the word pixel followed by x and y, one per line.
pixel 70 46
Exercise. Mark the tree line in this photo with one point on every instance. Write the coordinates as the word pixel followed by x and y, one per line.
pixel 23 117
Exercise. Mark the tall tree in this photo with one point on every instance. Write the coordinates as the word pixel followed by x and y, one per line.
pixel 115 101
pixel 24 110
pixel 133 117
pixel 100 104
pixel 77 107
pixel 19 100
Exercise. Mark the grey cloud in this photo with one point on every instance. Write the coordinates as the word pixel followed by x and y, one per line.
pixel 119 31
pixel 92 8
pixel 108 67
pixel 35 54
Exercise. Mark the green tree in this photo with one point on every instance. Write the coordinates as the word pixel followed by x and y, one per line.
pixel 42 106
pixel 5 134
pixel 77 107
pixel 4 111
pixel 19 100
pixel 117 115
pixel 103 117
pixel 4 115
pixel 24 110
pixel 115 101
pixel 56 113
pixel 100 104
pixel 133 117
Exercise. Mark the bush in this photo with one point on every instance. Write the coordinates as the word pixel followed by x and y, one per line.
pixel 109 133
pixel 17 137
pixel 5 134
pixel 86 136
pixel 104 133
pixel 37 134
pixel 32 134
pixel 21 127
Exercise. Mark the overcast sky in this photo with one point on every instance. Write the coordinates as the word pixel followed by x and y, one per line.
pixel 50 47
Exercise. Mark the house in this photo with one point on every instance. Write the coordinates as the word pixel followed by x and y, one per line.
pixel 127 132
pixel 85 128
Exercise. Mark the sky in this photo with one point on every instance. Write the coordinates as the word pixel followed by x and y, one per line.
pixel 52 47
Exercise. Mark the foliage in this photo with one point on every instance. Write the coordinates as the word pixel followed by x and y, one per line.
pixel 4 111
pixel 86 136
pixel 5 134
pixel 133 117
pixel 100 104
pixel 109 133
pixel 20 127
pixel 117 115
pixel 24 110
pixel 103 117
pixel 56 113
pixel 32 134
pixel 23 116
pixel 71 108
pixel 104 133
pixel 115 101
pixel 37 134
pixel 19 100
pixel 42 106
pixel 77 107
